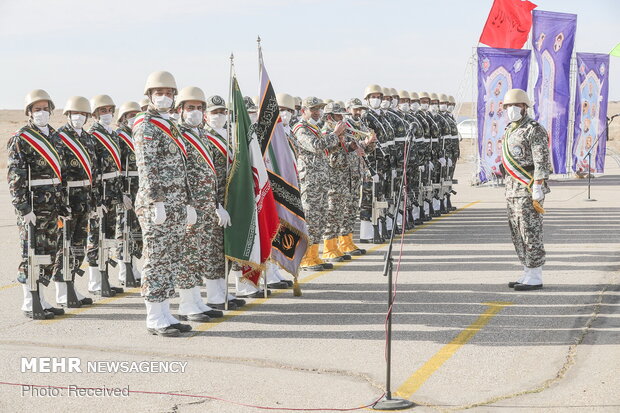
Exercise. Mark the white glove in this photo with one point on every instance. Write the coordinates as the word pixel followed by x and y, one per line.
pixel 224 218
pixel 30 218
pixel 127 202
pixel 449 162
pixel 421 168
pixel 101 210
pixel 442 161
pixel 375 178
pixel 192 217
pixel 430 166
pixel 537 192
pixel 394 173
pixel 159 217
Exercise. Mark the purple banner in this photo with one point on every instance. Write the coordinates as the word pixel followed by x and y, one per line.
pixel 553 36
pixel 498 71
pixel 591 112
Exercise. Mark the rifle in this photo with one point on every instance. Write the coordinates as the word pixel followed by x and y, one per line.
pixel 130 279
pixel 34 264
pixel 103 256
pixel 67 271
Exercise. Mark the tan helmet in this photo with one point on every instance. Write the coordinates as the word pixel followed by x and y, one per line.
pixel 128 107
pixel 341 103
pixel 190 93
pixel 76 104
pixel 403 94
pixel 424 95
pixel 434 96
pixel 255 99
pixel 298 101
pixel 443 98
pixel 100 101
pixel 144 102
pixel 414 96
pixel 386 91
pixel 328 101
pixel 312 102
pixel 393 92
pixel 354 103
pixel 516 96
pixel 370 89
pixel 335 109
pixel 160 79
pixel 215 102
pixel 35 96
pixel 285 100
pixel 451 100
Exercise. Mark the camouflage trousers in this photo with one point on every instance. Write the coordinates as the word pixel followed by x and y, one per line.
pixel 314 202
pixel 46 243
pixel 163 252
pixel 77 228
pixel 92 249
pixel 338 196
pixel 204 251
pixel 526 228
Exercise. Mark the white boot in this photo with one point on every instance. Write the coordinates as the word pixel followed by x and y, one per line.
pixel 277 272
pixel 27 304
pixel 215 294
pixel 165 306
pixel 525 271
pixel 224 288
pixel 94 279
pixel 416 212
pixel 44 302
pixel 436 204
pixel 399 219
pixel 271 272
pixel 243 288
pixel 155 317
pixel 187 303
pixel 427 209
pixel 533 276
pixel 366 230
pixel 61 292
pixel 137 275
pixel 122 271
pixel 388 223
pixel 198 300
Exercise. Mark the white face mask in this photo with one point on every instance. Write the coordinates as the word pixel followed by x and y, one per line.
pixel 130 122
pixel 443 107
pixel 404 107
pixel 41 118
pixel 105 119
pixel 77 120
pixel 253 117
pixel 374 103
pixel 450 108
pixel 193 117
pixel 162 103
pixel 286 116
pixel 434 108
pixel 394 103
pixel 424 106
pixel 415 106
pixel 217 121
pixel 514 113
pixel 385 104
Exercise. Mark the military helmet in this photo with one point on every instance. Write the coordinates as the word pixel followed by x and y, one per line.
pixel 35 96
pixel 215 102
pixel 370 89
pixel 451 99
pixel 424 95
pixel 434 96
pixel 341 103
pixel 403 94
pixel 335 109
pixel 386 91
pixel 250 105
pixel 161 79
pixel 328 101
pixel 76 104
pixel 144 102
pixel 414 96
pixel 354 103
pixel 285 100
pixel 100 101
pixel 311 102
pixel 127 107
pixel 256 100
pixel 443 97
pixel 297 101
pixel 393 92
pixel 516 96
pixel 190 93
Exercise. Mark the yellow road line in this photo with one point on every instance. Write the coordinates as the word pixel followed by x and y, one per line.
pixel 6 287
pixel 417 379
pixel 215 322
pixel 70 312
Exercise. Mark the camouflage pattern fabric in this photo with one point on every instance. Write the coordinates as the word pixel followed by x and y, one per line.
pixel 339 186
pixel 526 229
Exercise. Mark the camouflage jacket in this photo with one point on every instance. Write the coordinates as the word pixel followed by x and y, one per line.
pixel 312 162
pixel 337 156
pixel 219 160
pixel 160 161
pixel 24 162
pixel 85 198
pixel 377 122
pixel 201 178
pixel 528 143
pixel 108 161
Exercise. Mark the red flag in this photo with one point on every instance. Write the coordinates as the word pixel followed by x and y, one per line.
pixel 508 24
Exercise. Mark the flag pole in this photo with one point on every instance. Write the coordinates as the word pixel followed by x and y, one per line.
pixel 260 60
pixel 228 134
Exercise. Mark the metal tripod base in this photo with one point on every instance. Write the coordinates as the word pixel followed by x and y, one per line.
pixel 390 403
pixel 589 199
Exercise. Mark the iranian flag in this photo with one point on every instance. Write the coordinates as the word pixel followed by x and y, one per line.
pixel 249 198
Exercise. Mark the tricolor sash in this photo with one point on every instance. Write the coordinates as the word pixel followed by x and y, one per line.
pixel 44 148
pixel 312 129
pixel 220 143
pixel 513 168
pixel 202 149
pixel 166 127
pixel 80 153
pixel 128 139
pixel 110 145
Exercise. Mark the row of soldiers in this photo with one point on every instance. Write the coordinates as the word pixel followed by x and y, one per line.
pixel 153 187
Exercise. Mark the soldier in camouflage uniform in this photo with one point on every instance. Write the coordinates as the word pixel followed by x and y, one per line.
pixel 78 153
pixel 203 183
pixel 527 162
pixel 287 114
pixel 312 165
pixel 430 151
pixel 35 183
pixel 162 203
pixel 418 159
pixel 126 117
pixel 451 151
pixel 438 152
pixel 109 185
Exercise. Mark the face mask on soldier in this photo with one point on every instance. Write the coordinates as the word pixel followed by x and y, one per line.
pixel 130 122
pixel 394 103
pixel 193 118
pixel 385 104
pixel 105 119
pixel 434 108
pixel 424 106
pixel 217 120
pixel 514 113
pixel 41 118
pixel 450 108
pixel 286 116
pixel 415 106
pixel 77 120
pixel 374 103
pixel 161 102
pixel 443 107
pixel 404 107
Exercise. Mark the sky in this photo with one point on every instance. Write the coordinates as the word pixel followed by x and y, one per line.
pixel 329 49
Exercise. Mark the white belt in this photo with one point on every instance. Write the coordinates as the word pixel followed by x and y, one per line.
pixel 385 145
pixel 454 137
pixel 131 173
pixel 435 140
pixel 110 175
pixel 403 139
pixel 419 140
pixel 40 182
pixel 77 184
pixel 427 140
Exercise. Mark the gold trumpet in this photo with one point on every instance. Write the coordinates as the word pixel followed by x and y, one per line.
pixel 356 133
